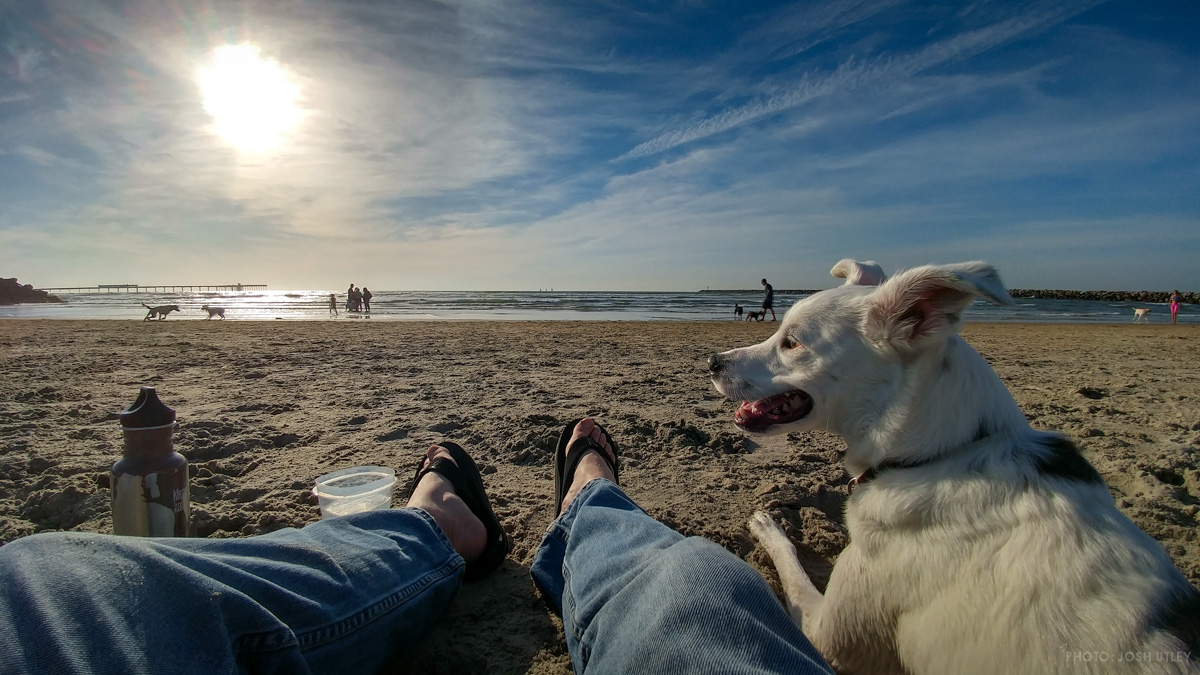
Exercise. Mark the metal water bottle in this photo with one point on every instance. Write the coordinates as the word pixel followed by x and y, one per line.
pixel 150 482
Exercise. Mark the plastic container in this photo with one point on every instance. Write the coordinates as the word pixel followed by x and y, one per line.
pixel 354 490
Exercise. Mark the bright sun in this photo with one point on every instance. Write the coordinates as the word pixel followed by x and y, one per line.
pixel 252 99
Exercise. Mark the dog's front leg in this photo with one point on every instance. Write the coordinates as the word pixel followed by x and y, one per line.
pixel 803 599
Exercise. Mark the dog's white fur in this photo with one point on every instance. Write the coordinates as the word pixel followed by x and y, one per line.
pixel 999 550
pixel 1139 314
pixel 213 311
pixel 866 273
pixel 161 311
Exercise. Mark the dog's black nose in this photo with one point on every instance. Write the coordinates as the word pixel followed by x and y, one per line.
pixel 715 363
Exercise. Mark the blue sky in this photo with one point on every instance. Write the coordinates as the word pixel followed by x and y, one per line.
pixel 604 145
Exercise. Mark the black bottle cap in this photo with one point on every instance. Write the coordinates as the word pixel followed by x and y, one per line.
pixel 147 411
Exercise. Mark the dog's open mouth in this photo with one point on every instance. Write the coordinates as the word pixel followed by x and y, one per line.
pixel 779 409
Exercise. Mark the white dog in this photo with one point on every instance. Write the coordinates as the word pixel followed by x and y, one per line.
pixel 1139 314
pixel 213 311
pixel 977 544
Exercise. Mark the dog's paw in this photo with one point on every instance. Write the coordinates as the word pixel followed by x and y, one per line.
pixel 765 529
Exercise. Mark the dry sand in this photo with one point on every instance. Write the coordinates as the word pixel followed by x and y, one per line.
pixel 266 407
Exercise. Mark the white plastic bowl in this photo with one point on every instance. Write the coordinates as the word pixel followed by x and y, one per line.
pixel 354 490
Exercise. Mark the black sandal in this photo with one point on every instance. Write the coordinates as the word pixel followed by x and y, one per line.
pixel 468 485
pixel 566 460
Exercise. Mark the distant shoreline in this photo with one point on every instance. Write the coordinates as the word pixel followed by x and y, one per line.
pixel 1188 298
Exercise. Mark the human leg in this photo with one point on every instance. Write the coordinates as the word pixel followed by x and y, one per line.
pixel 348 594
pixel 637 596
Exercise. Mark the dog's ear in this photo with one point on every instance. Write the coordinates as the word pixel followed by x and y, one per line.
pixel 922 305
pixel 856 273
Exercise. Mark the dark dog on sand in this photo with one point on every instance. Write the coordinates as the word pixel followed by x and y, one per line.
pixel 160 311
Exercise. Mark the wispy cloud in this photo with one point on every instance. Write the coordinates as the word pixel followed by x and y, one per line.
pixel 856 73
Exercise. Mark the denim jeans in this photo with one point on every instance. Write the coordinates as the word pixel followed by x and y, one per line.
pixel 346 595
pixel 352 594
pixel 638 597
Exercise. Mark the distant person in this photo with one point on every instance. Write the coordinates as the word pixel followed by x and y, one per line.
pixel 737 312
pixel 1174 305
pixel 357 299
pixel 366 299
pixel 768 300
pixel 333 304
pixel 350 298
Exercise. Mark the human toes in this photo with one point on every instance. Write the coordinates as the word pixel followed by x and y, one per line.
pixel 432 486
pixel 587 427
pixel 434 452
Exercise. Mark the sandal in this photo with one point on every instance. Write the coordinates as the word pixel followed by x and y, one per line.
pixel 468 485
pixel 566 460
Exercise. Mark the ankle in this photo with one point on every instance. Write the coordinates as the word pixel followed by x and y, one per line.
pixel 591 467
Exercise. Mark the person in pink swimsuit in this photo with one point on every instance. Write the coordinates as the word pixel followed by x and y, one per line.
pixel 1174 306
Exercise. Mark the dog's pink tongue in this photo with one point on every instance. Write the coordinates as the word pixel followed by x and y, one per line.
pixel 750 411
pixel 779 409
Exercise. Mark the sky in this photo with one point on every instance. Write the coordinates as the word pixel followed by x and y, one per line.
pixel 607 145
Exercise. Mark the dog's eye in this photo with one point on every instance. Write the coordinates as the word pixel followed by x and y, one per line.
pixel 790 342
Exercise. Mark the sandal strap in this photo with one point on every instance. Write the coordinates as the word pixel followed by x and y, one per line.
pixel 468 485
pixel 575 453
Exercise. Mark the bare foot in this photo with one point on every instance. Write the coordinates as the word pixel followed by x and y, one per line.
pixel 435 495
pixel 591 466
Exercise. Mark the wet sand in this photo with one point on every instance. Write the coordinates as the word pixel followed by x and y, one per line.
pixel 265 407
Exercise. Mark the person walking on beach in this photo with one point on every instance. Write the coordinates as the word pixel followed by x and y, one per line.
pixel 355 594
pixel 350 298
pixel 768 300
pixel 333 304
pixel 1174 305
pixel 366 299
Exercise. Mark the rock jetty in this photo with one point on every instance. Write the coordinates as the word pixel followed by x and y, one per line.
pixel 1104 296
pixel 13 293
pixel 1189 298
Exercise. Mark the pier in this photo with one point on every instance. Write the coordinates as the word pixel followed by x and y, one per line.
pixel 155 288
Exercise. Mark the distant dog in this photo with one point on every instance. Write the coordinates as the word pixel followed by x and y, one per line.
pixel 213 311
pixel 160 311
pixel 737 311
pixel 755 316
pixel 1139 314
pixel 977 544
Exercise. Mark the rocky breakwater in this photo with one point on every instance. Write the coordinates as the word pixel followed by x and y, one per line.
pixel 13 293
pixel 1104 296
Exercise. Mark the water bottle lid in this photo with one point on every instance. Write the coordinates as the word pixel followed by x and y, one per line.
pixel 147 411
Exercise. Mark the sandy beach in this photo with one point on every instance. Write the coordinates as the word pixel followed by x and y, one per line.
pixel 265 407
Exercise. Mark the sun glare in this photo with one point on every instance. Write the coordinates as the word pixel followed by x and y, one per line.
pixel 252 100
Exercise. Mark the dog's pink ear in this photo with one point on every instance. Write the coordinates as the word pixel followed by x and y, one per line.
pixel 922 305
pixel 856 273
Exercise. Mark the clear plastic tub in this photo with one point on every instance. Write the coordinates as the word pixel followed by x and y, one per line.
pixel 354 490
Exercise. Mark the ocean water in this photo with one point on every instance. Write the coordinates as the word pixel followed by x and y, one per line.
pixel 307 305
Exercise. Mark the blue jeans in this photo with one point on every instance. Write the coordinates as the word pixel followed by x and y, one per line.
pixel 353 594
pixel 638 597
pixel 347 595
